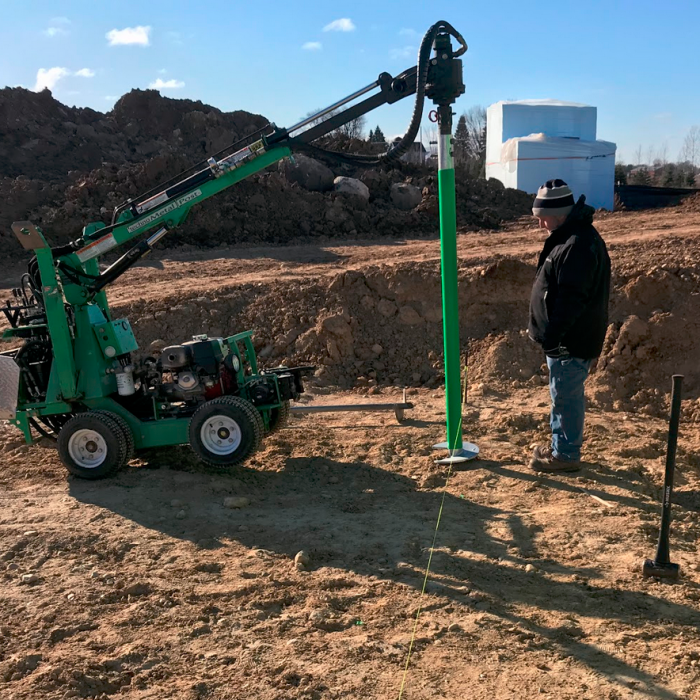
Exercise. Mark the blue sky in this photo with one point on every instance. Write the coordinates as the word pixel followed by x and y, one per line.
pixel 638 62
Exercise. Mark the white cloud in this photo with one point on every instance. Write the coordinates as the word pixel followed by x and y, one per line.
pixel 131 35
pixel 54 31
pixel 160 84
pixel 85 73
pixel 340 25
pixel 48 77
pixel 403 54
pixel 405 31
pixel 312 46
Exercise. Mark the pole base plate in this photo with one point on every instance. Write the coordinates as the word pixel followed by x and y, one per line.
pixel 655 569
pixel 465 453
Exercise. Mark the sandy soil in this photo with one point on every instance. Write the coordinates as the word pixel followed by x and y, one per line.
pixel 147 585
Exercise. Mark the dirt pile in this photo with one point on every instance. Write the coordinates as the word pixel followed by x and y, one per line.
pixel 692 203
pixel 382 325
pixel 43 139
pixel 63 167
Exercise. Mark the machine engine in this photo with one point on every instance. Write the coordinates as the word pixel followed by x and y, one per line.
pixel 195 370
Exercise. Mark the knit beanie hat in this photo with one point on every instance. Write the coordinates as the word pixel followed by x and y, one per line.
pixel 554 198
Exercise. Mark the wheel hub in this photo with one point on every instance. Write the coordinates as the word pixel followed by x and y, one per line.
pixel 221 435
pixel 87 448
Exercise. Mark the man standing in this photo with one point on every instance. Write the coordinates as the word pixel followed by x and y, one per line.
pixel 568 315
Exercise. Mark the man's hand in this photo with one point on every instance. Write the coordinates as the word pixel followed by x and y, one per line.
pixel 559 352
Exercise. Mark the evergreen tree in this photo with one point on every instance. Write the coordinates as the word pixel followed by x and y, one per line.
pixel 378 136
pixel 620 174
pixel 640 177
pixel 460 141
pixel 370 138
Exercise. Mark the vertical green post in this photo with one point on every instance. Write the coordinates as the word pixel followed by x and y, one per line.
pixel 450 298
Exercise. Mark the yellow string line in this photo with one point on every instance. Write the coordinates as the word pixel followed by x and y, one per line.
pixel 432 547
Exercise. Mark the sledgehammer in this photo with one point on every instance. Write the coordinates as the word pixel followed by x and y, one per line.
pixel 661 566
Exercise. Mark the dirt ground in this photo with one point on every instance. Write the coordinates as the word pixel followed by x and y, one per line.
pixel 147 586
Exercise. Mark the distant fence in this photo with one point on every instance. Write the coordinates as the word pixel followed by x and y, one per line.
pixel 645 197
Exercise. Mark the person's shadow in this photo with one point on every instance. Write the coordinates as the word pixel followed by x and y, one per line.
pixel 361 518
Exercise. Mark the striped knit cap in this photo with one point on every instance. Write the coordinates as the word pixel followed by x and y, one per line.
pixel 554 198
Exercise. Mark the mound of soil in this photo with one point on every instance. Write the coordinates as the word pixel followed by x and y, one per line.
pixel 64 167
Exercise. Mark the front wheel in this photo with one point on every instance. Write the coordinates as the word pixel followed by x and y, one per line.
pixel 226 431
pixel 93 445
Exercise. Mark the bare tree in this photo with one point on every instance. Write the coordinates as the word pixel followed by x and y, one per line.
pixel 354 129
pixel 476 129
pixel 650 155
pixel 690 153
pixel 638 155
pixel 662 153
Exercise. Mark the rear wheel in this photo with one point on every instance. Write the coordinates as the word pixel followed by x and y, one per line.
pixel 279 417
pixel 92 445
pixel 226 431
pixel 125 429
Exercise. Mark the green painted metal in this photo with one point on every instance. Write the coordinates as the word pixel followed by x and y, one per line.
pixel 246 337
pixel 115 338
pixel 91 386
pixel 173 213
pixel 63 363
pixel 450 298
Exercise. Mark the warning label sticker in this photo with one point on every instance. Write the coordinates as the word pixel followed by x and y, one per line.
pixel 98 247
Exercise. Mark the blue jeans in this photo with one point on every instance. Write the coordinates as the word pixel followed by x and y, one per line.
pixel 566 378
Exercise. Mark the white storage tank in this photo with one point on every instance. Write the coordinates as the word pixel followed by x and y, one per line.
pixel 531 141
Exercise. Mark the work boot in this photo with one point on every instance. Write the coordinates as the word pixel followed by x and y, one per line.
pixel 544 461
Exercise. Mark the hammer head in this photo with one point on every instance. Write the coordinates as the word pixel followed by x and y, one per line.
pixel 659 570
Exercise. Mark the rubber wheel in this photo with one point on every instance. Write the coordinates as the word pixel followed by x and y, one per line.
pixel 226 431
pixel 130 448
pixel 279 417
pixel 92 445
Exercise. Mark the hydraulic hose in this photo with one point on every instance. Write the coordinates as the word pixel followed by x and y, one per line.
pixel 394 153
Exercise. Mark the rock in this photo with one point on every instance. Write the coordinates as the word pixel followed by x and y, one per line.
pixel 317 617
pixel 386 308
pixel 351 187
pixel 181 515
pixel 405 196
pixel 308 173
pixel 301 560
pixel 29 578
pixel 530 569
pixel 409 316
pixel 377 349
pixel 455 627
pixel 236 502
pixel 157 346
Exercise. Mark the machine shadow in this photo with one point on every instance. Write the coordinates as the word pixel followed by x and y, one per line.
pixel 374 522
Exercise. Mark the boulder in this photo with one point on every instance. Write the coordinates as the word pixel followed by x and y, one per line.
pixel 349 186
pixel 405 196
pixel 308 173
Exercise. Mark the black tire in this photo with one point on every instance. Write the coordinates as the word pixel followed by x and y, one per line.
pixel 237 436
pixel 279 417
pixel 130 448
pixel 93 436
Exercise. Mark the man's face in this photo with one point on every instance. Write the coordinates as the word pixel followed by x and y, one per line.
pixel 550 222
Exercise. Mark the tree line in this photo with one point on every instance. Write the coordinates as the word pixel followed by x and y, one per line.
pixel 654 168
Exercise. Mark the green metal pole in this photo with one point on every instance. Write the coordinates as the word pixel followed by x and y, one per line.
pixel 450 298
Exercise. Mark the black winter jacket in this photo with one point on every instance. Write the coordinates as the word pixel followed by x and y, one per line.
pixel 569 301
